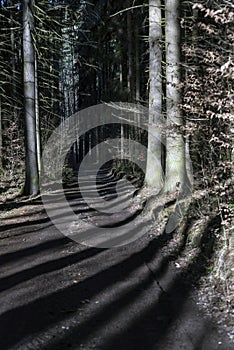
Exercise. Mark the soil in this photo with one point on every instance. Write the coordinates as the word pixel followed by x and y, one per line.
pixel 149 294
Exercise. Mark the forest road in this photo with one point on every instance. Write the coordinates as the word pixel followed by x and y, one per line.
pixel 58 294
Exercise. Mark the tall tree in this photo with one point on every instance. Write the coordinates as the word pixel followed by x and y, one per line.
pixel 131 78
pixel 175 150
pixel 31 181
pixel 1 162
pixel 154 173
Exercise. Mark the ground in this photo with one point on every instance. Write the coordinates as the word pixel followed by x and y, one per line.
pixel 149 294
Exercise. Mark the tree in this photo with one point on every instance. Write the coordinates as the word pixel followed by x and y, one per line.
pixel 154 173
pixel 131 78
pixel 175 150
pixel 31 180
pixel 1 162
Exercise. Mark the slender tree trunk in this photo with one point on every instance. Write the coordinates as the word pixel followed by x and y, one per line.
pixel 1 162
pixel 13 67
pixel 131 78
pixel 38 136
pixel 175 150
pixel 31 182
pixel 154 173
pixel 137 58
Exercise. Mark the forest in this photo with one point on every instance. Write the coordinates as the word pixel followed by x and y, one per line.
pixel 116 174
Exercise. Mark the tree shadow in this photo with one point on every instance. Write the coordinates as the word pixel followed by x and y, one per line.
pixel 143 306
pixel 131 297
pixel 71 298
pixel 19 225
pixel 12 204
pixel 52 265
pixel 38 248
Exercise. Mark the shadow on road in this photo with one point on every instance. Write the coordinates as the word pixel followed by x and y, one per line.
pixel 131 298
pixel 128 298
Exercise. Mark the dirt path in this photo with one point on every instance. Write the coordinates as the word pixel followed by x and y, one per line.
pixel 57 294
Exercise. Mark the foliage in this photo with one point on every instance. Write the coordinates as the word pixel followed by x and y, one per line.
pixel 208 95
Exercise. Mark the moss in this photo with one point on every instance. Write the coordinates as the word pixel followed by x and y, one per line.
pixel 22 191
pixel 35 180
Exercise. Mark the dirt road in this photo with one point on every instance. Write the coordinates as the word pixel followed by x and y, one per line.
pixel 58 294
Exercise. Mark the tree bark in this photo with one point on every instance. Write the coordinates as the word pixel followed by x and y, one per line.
pixel 31 181
pixel 154 172
pixel 1 162
pixel 137 58
pixel 175 150
pixel 131 78
pixel 38 136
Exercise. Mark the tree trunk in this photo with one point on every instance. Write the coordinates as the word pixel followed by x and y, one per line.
pixel 131 78
pixel 13 68
pixel 175 150
pixel 38 136
pixel 154 173
pixel 1 162
pixel 137 58
pixel 31 181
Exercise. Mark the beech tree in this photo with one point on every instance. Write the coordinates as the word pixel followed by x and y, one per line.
pixel 154 173
pixel 31 179
pixel 175 150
